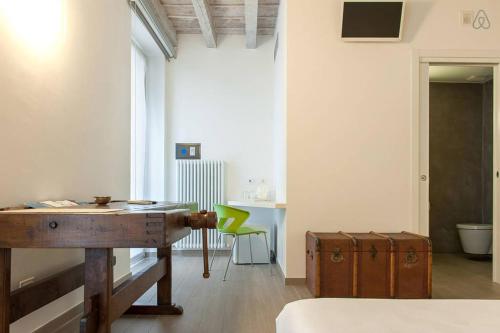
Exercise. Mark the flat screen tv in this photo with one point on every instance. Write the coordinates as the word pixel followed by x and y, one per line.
pixel 372 21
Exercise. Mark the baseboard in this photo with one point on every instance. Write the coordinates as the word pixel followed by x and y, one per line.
pixel 122 279
pixel 64 321
pixel 295 281
pixel 138 258
pixel 280 271
pixel 289 281
pixel 71 317
pixel 192 253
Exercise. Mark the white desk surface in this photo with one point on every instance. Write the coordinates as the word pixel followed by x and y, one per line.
pixel 257 204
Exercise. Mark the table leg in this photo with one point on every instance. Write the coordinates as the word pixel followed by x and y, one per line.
pixel 164 292
pixel 164 286
pixel 206 272
pixel 5 266
pixel 98 291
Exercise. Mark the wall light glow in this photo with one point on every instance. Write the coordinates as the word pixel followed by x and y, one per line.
pixel 37 24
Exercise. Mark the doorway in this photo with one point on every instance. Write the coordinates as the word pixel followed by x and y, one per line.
pixel 457 157
pixel 460 154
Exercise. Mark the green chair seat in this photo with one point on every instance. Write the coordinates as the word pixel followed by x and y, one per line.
pixel 245 231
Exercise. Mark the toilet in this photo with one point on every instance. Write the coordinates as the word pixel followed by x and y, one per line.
pixel 476 238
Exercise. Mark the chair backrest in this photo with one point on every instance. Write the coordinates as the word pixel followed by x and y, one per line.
pixel 224 213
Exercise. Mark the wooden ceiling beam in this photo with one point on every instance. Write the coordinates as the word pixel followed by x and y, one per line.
pixel 207 26
pixel 222 10
pixel 227 31
pixel 165 21
pixel 251 13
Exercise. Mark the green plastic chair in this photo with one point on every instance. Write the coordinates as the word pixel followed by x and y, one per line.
pixel 230 223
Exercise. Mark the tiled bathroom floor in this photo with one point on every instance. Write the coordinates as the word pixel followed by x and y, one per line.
pixel 457 277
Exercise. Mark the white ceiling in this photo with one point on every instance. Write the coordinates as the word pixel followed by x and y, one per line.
pixel 460 73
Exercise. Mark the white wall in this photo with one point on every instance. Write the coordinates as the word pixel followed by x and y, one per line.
pixel 222 98
pixel 279 130
pixel 350 116
pixel 64 126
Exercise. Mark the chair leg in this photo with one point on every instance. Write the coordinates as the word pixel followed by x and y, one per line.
pixel 215 250
pixel 230 257
pixel 250 243
pixel 238 248
pixel 268 255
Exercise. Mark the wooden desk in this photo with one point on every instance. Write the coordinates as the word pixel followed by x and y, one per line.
pixel 134 226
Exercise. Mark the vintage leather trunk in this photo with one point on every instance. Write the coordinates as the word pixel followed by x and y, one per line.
pixel 330 265
pixel 413 265
pixel 375 263
pixel 368 265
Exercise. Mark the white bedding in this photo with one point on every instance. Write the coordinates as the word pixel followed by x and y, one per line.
pixel 332 315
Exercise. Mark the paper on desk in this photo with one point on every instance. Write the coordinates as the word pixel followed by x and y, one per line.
pixel 64 210
pixel 60 203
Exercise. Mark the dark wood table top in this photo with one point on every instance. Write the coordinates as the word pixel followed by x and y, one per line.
pixel 123 226
pixel 116 206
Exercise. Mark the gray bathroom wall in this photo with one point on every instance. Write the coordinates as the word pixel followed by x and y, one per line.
pixel 460 160
pixel 488 152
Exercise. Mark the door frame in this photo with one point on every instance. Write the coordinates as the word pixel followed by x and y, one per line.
pixel 420 135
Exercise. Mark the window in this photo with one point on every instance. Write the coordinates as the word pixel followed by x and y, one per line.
pixel 147 143
pixel 139 119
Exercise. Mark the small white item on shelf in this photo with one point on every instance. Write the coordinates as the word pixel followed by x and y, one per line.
pixel 262 192
pixel 248 195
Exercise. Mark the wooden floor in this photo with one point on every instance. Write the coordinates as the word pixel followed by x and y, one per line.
pixel 248 301
pixel 457 277
pixel 251 299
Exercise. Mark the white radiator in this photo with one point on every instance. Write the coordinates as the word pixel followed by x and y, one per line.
pixel 200 181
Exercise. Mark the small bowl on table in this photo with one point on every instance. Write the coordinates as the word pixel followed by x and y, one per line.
pixel 102 200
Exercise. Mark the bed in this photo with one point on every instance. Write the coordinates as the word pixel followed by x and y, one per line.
pixel 333 315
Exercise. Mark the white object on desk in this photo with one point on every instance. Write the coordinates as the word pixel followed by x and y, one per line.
pixel 59 204
pixel 257 204
pixel 262 192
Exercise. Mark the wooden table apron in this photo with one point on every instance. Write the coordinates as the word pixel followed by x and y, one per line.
pixel 98 234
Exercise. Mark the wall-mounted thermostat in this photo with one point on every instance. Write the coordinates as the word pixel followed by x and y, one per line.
pixel 467 17
pixel 188 151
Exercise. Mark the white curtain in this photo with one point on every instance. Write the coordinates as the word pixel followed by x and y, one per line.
pixel 139 124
